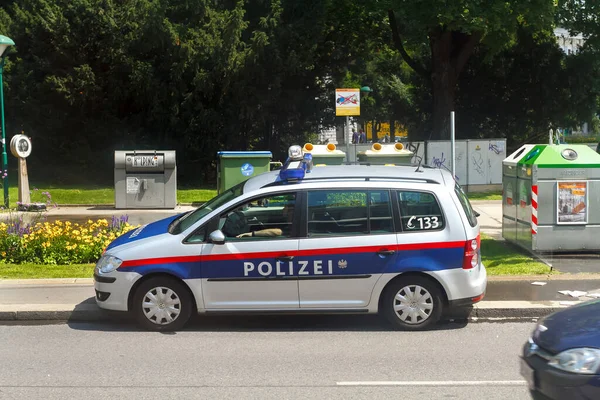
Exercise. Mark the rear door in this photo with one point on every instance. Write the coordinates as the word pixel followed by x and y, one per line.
pixel 350 241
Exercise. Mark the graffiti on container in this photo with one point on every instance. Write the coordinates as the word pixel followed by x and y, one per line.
pixel 494 147
pixel 439 162
pixel 415 149
pixel 478 162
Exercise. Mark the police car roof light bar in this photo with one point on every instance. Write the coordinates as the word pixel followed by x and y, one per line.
pixel 296 166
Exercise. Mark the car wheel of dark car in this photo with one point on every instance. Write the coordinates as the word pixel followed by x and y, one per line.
pixel 162 304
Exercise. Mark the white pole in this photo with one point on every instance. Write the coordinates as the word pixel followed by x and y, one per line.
pixel 452 144
pixel 348 139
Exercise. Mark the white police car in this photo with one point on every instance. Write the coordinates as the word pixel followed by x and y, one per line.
pixel 399 240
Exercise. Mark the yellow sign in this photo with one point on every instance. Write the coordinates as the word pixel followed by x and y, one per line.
pixel 384 129
pixel 347 102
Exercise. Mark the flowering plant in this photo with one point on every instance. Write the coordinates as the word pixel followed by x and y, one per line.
pixel 59 243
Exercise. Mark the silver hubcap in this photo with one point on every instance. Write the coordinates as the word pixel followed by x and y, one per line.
pixel 161 305
pixel 413 304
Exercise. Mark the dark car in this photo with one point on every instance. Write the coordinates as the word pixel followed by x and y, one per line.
pixel 561 360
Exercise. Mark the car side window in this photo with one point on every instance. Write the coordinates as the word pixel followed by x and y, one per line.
pixel 348 213
pixel 198 236
pixel 420 211
pixel 268 217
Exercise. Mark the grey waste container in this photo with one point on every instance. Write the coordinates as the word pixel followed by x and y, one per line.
pixel 145 179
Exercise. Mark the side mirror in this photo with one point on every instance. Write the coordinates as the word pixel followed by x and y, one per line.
pixel 216 237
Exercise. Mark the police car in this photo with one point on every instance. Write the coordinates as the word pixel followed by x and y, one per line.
pixel 402 241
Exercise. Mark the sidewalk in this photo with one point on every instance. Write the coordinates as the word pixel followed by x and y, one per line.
pixel 507 298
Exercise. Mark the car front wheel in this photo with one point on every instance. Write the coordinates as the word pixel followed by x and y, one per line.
pixel 162 304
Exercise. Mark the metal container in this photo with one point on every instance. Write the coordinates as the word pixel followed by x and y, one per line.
pixel 551 199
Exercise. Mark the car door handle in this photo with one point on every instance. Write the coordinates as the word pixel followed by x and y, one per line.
pixel 386 252
pixel 285 258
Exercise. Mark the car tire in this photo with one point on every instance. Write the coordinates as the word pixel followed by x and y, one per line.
pixel 412 303
pixel 162 304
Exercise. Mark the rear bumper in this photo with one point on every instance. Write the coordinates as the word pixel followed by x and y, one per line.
pixel 463 287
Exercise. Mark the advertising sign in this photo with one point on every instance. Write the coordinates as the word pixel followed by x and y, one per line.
pixel 572 202
pixel 347 102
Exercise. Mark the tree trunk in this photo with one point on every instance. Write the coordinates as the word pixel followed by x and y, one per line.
pixel 450 51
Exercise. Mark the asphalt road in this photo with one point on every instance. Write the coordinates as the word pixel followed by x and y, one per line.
pixel 263 358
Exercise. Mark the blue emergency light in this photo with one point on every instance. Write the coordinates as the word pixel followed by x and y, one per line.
pixel 297 165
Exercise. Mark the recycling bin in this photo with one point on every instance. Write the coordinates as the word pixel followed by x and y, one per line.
pixel 551 198
pixel 324 154
pixel 237 166
pixel 379 153
pixel 145 179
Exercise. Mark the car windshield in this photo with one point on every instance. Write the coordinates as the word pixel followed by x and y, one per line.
pixel 189 219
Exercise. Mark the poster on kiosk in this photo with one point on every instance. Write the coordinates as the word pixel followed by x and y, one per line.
pixel 572 203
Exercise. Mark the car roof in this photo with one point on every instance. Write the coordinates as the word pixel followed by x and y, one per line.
pixel 339 173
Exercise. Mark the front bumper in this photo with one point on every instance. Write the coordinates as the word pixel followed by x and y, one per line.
pixel 112 289
pixel 548 383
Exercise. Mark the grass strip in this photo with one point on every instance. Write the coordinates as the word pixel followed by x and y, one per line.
pixel 503 258
pixel 41 271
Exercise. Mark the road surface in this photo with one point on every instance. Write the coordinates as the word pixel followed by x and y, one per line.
pixel 295 357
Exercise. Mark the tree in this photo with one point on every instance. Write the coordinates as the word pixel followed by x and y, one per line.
pixel 447 34
pixel 523 91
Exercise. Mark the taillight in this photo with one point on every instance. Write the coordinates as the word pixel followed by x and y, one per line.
pixel 471 259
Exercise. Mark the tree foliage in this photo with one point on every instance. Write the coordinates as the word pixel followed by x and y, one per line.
pixel 445 34
pixel 88 77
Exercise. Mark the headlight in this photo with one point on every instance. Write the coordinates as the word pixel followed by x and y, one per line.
pixel 108 264
pixel 579 361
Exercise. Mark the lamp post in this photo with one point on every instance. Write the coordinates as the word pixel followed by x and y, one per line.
pixel 366 90
pixel 4 43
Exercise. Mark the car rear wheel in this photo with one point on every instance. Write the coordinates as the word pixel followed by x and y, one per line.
pixel 412 303
pixel 162 304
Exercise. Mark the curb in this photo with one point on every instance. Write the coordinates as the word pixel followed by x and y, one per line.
pixel 53 312
pixel 499 311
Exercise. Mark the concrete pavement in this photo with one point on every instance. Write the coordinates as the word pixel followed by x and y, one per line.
pixel 507 298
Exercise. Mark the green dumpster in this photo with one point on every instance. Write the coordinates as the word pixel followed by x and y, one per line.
pixel 237 166
pixel 553 202
pixel 324 154
pixel 386 154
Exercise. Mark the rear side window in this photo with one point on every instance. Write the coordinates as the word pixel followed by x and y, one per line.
pixel 466 205
pixel 420 211
pixel 349 213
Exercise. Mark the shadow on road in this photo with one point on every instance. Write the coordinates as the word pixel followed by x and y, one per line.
pixel 122 322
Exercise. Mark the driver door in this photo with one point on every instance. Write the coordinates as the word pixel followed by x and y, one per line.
pixel 253 272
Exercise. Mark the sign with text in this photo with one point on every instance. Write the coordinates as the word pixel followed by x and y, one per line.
pixel 347 102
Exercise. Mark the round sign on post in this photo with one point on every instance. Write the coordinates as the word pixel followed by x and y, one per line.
pixel 20 146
